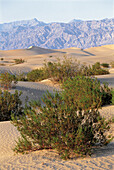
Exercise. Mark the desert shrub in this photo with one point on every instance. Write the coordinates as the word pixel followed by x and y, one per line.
pixel 113 120
pixel 36 75
pixel 19 61
pixel 2 59
pixel 67 122
pixel 106 94
pixel 106 65
pixel 62 69
pixel 96 69
pixel 112 92
pixel 6 80
pixel 87 92
pixel 10 103
pixel 21 77
pixel 112 64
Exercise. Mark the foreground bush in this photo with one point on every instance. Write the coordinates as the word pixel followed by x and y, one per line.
pixel 69 122
pixel 6 80
pixel 10 104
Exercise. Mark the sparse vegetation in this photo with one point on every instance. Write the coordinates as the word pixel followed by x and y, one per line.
pixel 69 121
pixel 62 69
pixel 10 104
pixel 2 64
pixel 19 61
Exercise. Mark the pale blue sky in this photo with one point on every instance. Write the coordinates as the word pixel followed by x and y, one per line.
pixel 55 10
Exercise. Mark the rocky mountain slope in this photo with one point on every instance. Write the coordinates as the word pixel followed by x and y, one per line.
pixel 77 33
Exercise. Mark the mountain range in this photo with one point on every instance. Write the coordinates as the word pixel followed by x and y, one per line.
pixel 76 33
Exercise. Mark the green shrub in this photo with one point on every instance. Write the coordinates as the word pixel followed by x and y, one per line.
pixel 9 103
pixel 19 61
pixel 36 75
pixel 67 122
pixel 6 80
pixel 106 65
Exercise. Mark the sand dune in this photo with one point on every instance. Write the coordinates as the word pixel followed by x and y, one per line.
pixel 34 57
pixel 25 52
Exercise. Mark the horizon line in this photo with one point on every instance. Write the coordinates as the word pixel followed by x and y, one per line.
pixel 78 19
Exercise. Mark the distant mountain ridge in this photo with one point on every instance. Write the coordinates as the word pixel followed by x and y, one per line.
pixel 76 33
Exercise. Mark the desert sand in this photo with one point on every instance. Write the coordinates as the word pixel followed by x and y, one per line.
pixel 34 57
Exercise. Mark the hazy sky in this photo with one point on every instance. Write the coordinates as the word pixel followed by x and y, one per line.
pixel 55 10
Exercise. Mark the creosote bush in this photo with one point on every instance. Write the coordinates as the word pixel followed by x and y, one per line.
pixel 19 61
pixel 68 121
pixel 112 92
pixel 10 104
pixel 6 80
pixel 105 65
pixel 36 75
pixel 21 77
pixel 87 92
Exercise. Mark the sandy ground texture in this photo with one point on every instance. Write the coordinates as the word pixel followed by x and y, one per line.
pixel 102 159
